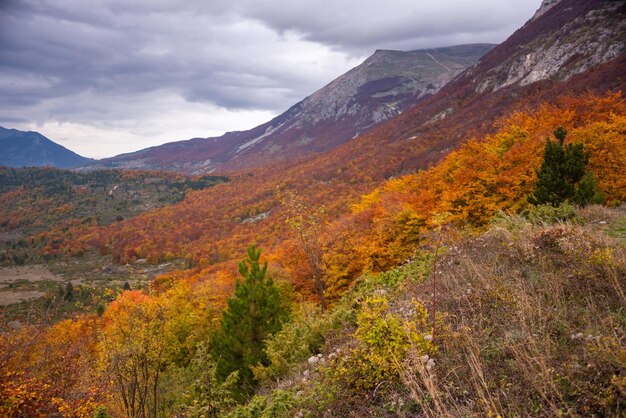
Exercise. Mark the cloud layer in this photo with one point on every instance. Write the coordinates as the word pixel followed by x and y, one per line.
pixel 110 76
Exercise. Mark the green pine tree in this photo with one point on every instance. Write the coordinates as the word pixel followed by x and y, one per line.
pixel 563 176
pixel 69 292
pixel 254 313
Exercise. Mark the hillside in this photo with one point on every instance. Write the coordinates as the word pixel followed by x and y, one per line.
pixel 78 201
pixel 383 86
pixel 417 138
pixel 528 323
pixel 31 149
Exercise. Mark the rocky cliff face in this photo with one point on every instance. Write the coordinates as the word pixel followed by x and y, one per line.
pixel 380 88
pixel 570 46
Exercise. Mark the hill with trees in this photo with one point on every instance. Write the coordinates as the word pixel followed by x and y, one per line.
pixel 34 201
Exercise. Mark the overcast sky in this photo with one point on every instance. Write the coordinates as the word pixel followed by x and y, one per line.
pixel 102 77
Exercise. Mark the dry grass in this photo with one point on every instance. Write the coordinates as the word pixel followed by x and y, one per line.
pixel 531 322
pixel 537 323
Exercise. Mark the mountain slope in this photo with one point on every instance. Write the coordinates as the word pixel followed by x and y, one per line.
pixel 586 33
pixel 528 324
pixel 498 84
pixel 419 137
pixel 31 149
pixel 380 88
pixel 526 320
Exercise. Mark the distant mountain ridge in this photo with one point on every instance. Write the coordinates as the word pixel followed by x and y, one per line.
pixel 382 87
pixel 32 149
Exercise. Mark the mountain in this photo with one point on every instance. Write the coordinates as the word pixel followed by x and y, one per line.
pixel 568 48
pixel 414 140
pixel 435 318
pixel 566 45
pixel 382 87
pixel 568 38
pixel 32 149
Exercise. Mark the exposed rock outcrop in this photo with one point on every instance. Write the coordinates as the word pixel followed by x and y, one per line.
pixel 545 6
pixel 595 37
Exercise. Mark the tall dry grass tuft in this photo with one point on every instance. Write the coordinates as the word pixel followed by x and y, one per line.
pixel 536 322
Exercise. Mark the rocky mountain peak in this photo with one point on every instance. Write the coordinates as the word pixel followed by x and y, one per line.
pixel 376 89
pixel 545 6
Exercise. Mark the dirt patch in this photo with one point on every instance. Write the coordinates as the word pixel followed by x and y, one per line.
pixel 16 283
pixel 10 236
pixel 34 273
pixel 9 298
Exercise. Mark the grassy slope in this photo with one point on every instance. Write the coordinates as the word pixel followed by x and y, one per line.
pixel 532 323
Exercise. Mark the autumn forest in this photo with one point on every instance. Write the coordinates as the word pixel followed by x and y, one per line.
pixel 465 258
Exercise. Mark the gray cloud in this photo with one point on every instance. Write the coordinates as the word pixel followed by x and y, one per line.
pixel 371 23
pixel 93 62
pixel 55 52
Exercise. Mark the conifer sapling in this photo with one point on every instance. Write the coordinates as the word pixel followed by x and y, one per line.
pixel 253 313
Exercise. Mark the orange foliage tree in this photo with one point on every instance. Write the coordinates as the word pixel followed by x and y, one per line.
pixel 473 183
pixel 51 371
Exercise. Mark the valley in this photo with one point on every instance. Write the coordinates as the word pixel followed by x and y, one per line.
pixel 438 232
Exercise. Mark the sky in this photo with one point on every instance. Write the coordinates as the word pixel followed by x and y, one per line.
pixel 104 77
